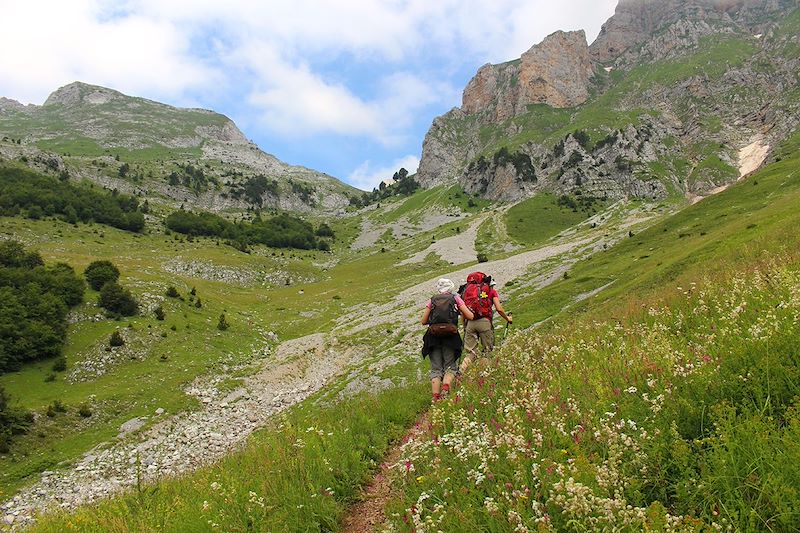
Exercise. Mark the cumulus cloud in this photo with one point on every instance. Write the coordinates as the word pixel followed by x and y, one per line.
pixel 366 178
pixel 55 43
pixel 367 70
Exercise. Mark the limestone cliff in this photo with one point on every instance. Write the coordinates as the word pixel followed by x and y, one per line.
pixel 555 72
pixel 664 102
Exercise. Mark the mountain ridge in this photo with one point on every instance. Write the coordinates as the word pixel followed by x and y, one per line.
pixel 80 123
pixel 664 116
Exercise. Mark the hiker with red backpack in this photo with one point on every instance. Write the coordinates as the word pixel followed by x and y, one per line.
pixel 480 297
pixel 442 342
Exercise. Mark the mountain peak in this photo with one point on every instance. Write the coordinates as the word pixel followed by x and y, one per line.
pixel 635 21
pixel 554 72
pixel 77 93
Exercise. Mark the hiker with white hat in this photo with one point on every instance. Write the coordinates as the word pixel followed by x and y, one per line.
pixel 442 343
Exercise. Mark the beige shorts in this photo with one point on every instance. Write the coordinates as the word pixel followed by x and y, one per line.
pixel 479 329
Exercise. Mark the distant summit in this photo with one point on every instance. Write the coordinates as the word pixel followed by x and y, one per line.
pixel 194 157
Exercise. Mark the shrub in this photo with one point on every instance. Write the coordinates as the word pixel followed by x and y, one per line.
pixel 60 364
pixel 57 406
pixel 116 339
pixel 98 273
pixel 13 421
pixel 34 302
pixel 118 300
pixel 85 410
pixel 172 292
pixel 198 304
pixel 159 312
pixel 222 325
pixel 482 257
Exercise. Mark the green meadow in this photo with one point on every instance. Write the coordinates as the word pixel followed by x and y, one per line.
pixel 600 416
pixel 323 450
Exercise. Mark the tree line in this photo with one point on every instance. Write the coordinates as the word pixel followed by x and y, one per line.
pixel 401 185
pixel 280 231
pixel 34 302
pixel 36 196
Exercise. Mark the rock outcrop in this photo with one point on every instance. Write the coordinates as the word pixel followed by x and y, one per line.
pixel 555 72
pixel 636 21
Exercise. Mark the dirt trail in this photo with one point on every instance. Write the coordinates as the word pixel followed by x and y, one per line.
pixel 370 511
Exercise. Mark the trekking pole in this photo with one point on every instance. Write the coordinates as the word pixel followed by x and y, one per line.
pixel 505 335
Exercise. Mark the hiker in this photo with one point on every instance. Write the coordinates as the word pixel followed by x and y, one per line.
pixel 442 342
pixel 482 298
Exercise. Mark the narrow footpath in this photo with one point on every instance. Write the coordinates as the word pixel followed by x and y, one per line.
pixel 369 512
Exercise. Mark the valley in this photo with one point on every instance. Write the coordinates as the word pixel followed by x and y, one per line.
pixel 634 198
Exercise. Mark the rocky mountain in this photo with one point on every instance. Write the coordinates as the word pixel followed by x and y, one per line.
pixel 674 98
pixel 193 157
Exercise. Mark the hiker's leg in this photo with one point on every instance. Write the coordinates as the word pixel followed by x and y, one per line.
pixel 437 371
pixel 470 345
pixel 450 368
pixel 485 332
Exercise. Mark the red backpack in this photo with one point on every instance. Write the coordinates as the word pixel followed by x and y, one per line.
pixel 476 295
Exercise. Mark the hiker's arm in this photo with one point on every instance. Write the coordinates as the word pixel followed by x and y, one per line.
pixel 425 316
pixel 465 312
pixel 500 310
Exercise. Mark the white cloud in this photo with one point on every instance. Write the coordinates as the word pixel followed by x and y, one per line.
pixel 371 70
pixel 367 178
pixel 49 44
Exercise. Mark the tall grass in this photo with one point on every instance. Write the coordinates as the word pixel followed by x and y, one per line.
pixel 298 476
pixel 678 417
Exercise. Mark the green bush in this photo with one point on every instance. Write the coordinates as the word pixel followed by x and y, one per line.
pixel 116 339
pixel 13 421
pixel 60 364
pixel 281 231
pixel 98 273
pixel 118 300
pixel 34 301
pixel 40 195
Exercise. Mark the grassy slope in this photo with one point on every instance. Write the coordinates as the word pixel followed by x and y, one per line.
pixel 687 243
pixel 537 219
pixel 755 215
pixel 680 409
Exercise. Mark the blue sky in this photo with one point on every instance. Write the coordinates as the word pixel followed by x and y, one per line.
pixel 346 87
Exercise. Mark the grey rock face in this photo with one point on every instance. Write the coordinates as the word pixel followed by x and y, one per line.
pixel 635 21
pixel 684 136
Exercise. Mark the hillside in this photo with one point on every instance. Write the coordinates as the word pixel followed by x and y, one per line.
pixel 272 363
pixel 673 100
pixel 671 289
pixel 174 156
